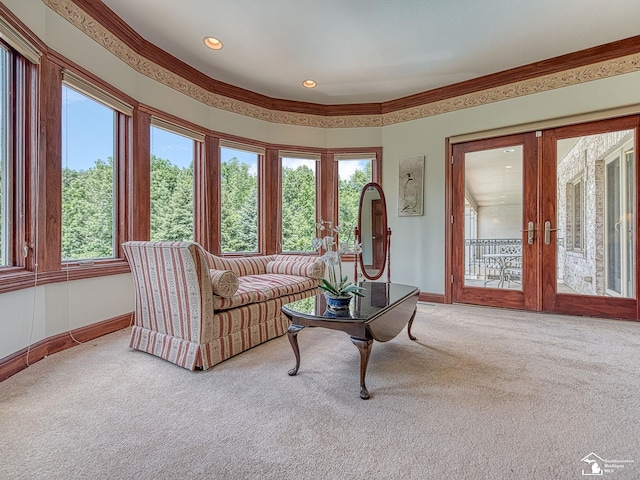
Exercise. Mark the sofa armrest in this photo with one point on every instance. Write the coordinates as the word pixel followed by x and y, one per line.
pixel 302 266
pixel 223 282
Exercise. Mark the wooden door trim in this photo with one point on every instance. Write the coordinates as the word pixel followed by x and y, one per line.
pixel 530 213
pixel 448 227
pixel 548 189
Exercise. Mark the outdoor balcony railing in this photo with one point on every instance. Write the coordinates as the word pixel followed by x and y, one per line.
pixel 475 250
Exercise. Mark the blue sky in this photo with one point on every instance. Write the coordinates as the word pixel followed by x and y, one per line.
pixel 173 147
pixel 87 135
pixel 84 124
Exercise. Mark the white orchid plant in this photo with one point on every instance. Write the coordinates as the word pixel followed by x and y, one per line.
pixel 332 249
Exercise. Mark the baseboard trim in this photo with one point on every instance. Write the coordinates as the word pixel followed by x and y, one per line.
pixel 17 362
pixel 431 297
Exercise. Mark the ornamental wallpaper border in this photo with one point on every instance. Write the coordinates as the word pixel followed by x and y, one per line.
pixel 92 28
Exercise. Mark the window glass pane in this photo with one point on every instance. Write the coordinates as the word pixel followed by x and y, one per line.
pixel 578 215
pixel 88 204
pixel 4 157
pixel 493 217
pixel 595 236
pixel 239 200
pixel 298 204
pixel 612 215
pixel 171 186
pixel 352 176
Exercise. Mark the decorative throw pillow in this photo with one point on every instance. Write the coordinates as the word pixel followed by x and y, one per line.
pixel 224 283
pixel 311 269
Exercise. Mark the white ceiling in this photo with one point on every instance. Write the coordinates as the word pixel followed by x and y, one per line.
pixel 494 177
pixel 362 51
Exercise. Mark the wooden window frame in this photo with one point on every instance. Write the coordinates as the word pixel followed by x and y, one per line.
pixel 579 181
pixel 38 186
pixel 117 165
pixel 22 145
pixel 333 156
pixel 63 71
pixel 8 200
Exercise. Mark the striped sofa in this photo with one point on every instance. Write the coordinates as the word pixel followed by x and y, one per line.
pixel 195 309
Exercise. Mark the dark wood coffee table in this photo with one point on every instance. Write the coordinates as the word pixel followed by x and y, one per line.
pixel 381 314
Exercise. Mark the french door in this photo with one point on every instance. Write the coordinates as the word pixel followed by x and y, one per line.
pixel 589 200
pixel 546 220
pixel 494 199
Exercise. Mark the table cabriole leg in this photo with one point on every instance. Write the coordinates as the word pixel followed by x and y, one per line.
pixel 411 336
pixel 292 334
pixel 364 346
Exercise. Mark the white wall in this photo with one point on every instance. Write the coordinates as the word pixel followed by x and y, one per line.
pixel 500 221
pixel 417 243
pixel 32 314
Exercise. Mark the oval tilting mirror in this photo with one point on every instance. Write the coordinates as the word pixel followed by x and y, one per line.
pixel 373 232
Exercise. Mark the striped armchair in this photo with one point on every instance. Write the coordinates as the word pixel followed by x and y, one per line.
pixel 195 309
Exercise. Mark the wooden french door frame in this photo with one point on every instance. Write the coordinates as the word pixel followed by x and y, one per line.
pixel 528 298
pixel 552 301
pixel 541 273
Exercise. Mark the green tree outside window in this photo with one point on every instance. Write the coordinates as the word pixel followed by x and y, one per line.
pixel 298 204
pixel 239 205
pixel 353 175
pixel 88 197
pixel 172 186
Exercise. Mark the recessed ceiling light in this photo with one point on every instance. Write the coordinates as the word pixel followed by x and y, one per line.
pixel 510 150
pixel 213 43
pixel 508 166
pixel 309 83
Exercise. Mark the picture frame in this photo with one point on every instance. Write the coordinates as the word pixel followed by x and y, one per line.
pixel 411 186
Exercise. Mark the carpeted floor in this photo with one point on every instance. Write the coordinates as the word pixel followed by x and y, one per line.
pixel 482 394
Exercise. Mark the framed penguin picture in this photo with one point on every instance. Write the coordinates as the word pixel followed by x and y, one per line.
pixel 410 186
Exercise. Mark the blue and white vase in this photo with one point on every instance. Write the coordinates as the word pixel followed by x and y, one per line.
pixel 337 303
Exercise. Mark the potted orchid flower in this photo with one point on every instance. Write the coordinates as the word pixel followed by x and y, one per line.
pixel 336 288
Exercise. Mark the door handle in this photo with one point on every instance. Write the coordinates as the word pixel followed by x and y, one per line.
pixel 531 232
pixel 547 232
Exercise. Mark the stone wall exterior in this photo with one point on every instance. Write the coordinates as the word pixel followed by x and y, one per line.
pixel 583 269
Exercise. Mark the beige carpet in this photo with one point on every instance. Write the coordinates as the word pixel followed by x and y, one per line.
pixel 482 394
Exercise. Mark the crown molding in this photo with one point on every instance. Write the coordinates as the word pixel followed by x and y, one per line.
pixel 103 26
pixel 575 76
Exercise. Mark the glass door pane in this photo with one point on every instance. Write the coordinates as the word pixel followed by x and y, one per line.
pixel 493 218
pixel 595 214
pixel 613 273
pixel 629 196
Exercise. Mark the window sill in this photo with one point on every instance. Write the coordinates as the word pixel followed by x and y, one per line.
pixel 12 279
